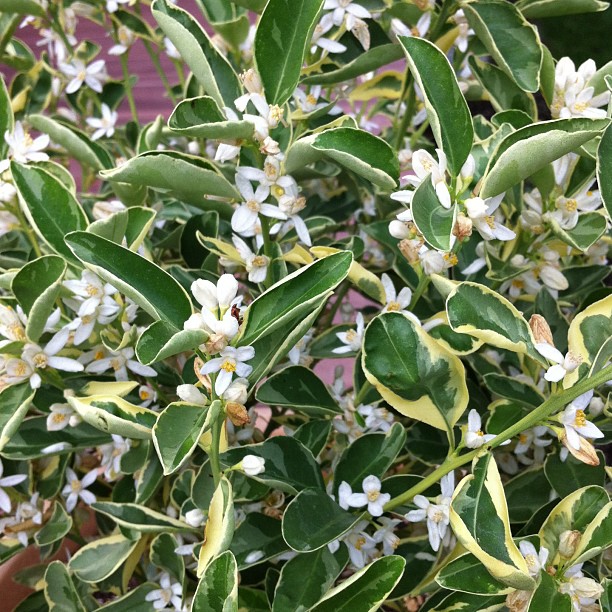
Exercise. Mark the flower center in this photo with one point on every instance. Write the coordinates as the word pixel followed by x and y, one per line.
pixel 253 205
pixel 490 221
pixel 393 307
pixel 228 365
pixel 451 259
pixel 75 485
pixel 16 331
pixel 40 360
pixel 260 261
pixel 311 99
pixel 351 335
pixel 580 418
pixel 92 290
pixel 373 495
pixel 360 542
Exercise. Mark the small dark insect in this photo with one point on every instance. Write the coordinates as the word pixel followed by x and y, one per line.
pixel 236 314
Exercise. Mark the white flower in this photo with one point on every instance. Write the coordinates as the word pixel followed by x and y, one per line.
pixel 574 420
pixel 423 164
pixel 395 302
pixel 582 591
pixel 308 102
pixel 386 535
pixel 237 391
pixel 113 5
pixel 93 75
pixel 327 44
pixel 12 323
pixel 8 481
pixel 532 437
pixel 120 361
pixel 256 265
pixel 586 199
pixel 83 325
pixel 474 438
pixel 60 416
pixel 371 496
pixel 75 489
pixel 536 561
pixel 252 465
pixel 110 462
pixel 104 125
pixel 436 514
pixel 169 594
pixel 346 10
pixel 344 494
pixel 191 394
pixel 195 517
pixel 126 39
pixel 22 148
pixel 91 289
pixel 433 261
pixel 291 204
pixel 484 219
pixel 563 364
pixel 376 418
pixel 246 214
pixel 219 296
pixel 361 546
pixel 464 31
pixel 231 361
pixel 351 338
pixel 171 50
pixel 105 208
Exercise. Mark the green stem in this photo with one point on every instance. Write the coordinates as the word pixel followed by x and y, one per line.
pixel 551 405
pixel 128 86
pixel 215 464
pixel 367 385
pixel 418 292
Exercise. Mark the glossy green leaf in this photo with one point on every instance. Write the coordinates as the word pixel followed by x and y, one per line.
pixel 590 228
pixel 59 590
pixel 149 477
pixel 7 121
pixel 51 209
pixel 526 493
pixel 36 287
pixel 218 588
pixel 178 429
pixel 282 39
pixel 313 519
pixel 162 340
pixel 134 601
pixel 289 465
pixel 202 118
pixel 479 518
pixel 510 39
pixel 431 218
pixel 356 150
pixel 567 476
pixel 139 518
pixel 208 65
pixel 546 597
pixel 163 555
pixel 366 590
pixel 22 7
pixel 513 389
pixel 14 404
pixel 604 169
pixel 257 532
pixel 537 9
pixel 58 525
pixel 314 434
pixel 299 388
pixel 153 289
pixel 371 454
pixel 463 602
pixel 447 110
pixel 412 372
pixel 468 575
pixel 306 578
pixel 527 150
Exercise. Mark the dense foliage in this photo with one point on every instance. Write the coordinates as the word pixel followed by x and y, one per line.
pixel 418 192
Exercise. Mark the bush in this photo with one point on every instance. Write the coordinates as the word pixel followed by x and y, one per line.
pixel 417 191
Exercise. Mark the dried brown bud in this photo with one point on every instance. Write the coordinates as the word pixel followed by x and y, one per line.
pixel 198 364
pixel 410 249
pixel 540 329
pixel 463 227
pixel 216 343
pixel 586 453
pixel 568 543
pixel 237 414
pixel 517 601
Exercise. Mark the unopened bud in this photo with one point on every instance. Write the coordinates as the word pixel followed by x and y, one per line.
pixel 463 227
pixel 251 81
pixel 586 453
pixel 252 465
pixel 195 518
pixel 568 543
pixel 541 329
pixel 269 146
pixel 517 601
pixel 237 414
pixel 410 250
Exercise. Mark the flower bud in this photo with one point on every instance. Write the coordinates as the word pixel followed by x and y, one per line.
pixel 251 81
pixel 586 453
pixel 517 601
pixel 463 227
pixel 237 414
pixel 195 518
pixel 252 465
pixel 568 543
pixel 237 392
pixel 191 394
pixel 216 343
pixel 540 329
pixel 410 250
pixel 596 406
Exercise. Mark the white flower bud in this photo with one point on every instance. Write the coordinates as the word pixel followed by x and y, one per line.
pixel 253 465
pixel 568 543
pixel 237 392
pixel 191 394
pixel 195 518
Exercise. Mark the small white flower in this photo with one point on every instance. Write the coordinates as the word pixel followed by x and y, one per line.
pixel 113 5
pixel 237 391
pixel 361 546
pixel 371 496
pixel 195 517
pixel 563 364
pixel 256 265
pixel 484 218
pixel 583 591
pixel 220 296
pixel 126 39
pixel 395 302
pixel 169 594
pixel 8 481
pixel 344 494
pixel 252 465
pixel 232 360
pixel 191 394
pixel 346 10
pixel 254 204
pixel 22 148
pixel 423 164
pixel 536 561
pixel 576 424
pixel 104 125
pixel 93 75
pixel 75 489
pixel 474 437
pixel 120 362
pixel 59 417
pixel 351 338
pixel 105 208
pixel 386 535
pixel 327 44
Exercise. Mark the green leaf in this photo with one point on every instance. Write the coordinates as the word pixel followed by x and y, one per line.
pixel 604 169
pixel 567 476
pixel 14 404
pixel 162 340
pixel 478 311
pixel 99 559
pixel 306 578
pixel 590 228
pixel 596 538
pixel 431 218
pixel 298 388
pixel 36 287
pixel 546 597
pixel 412 372
pixel 510 39
pixel 296 294
pixel 503 92
pixel 468 575
pixel 51 209
pixel 526 493
pixel 537 9
pixel 527 150
pixel 513 389
pixel 202 118
pixel 139 518
pixel 76 143
pixel 59 590
pixel 463 602
pixel 282 39
pixel 365 62
pixel 313 520
pixel 447 110
pixel 218 588
pixel 365 590
pixel 133 601
pixel 313 435
pixel 163 555
pixel 178 429
pixel 115 415
pixel 257 532
pixel 479 518
pixel 22 7
pixel 289 466
pixel 153 289
pixel 55 528
pixel 208 65
pixel 184 177
pixel 356 150
pixel 371 454
pixel 7 121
